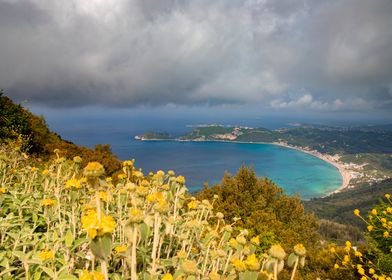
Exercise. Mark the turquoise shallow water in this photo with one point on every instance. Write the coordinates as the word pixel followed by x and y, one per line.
pixel 201 162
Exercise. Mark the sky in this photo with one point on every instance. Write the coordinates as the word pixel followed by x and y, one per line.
pixel 328 58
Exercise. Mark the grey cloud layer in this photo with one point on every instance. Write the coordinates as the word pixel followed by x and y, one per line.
pixel 322 55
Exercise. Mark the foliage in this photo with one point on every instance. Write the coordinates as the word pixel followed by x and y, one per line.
pixel 59 221
pixel 340 206
pixel 17 122
pixel 375 260
pixel 264 209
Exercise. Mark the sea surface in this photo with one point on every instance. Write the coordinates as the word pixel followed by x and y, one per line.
pixel 199 162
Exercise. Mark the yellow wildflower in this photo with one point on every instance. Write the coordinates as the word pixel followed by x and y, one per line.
pixel 252 262
pixel 386 234
pixel 371 271
pixel 277 252
pixel 348 244
pixel 238 264
pixel 122 176
pixel 136 215
pixel 374 212
pixel 389 209
pixel 233 243
pixel 356 212
pixel 120 249
pixel 77 159
pixel 299 250
pixel 45 172
pixel 332 250
pixel 34 169
pixel 360 269
pixel 388 196
pixel 3 190
pixel 128 163
pixel 47 202
pixel 142 191
pixel 72 184
pixel 46 254
pixel 180 179
pixel 214 275
pixel 170 173
pixel 160 173
pixel 193 204
pixel 336 266
pixel 255 240
pixel 167 276
pixel 181 254
pixel 369 228
pixel 189 266
pixel 93 169
pixel 363 278
pixel 103 196
pixel 358 254
pixel 241 239
pixel 95 275
pixel 97 227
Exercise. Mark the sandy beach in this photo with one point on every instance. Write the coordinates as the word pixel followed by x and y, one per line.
pixel 346 175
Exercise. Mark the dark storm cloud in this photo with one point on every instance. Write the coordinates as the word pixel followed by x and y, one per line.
pixel 293 54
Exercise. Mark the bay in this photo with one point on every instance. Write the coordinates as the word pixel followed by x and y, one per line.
pixel 206 162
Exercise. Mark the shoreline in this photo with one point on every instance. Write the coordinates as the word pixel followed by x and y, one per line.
pixel 346 174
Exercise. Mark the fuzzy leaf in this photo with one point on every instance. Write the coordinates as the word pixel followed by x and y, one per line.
pixel 291 260
pixel 101 246
pixel 249 275
pixel 48 271
pixel 69 238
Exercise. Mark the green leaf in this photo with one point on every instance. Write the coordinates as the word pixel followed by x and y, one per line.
pixel 48 271
pixel 79 242
pixel 101 246
pixel 34 261
pixel 69 239
pixel 20 255
pixel 8 270
pixel 67 277
pixel 291 260
pixel 144 231
pixel 37 275
pixel 249 275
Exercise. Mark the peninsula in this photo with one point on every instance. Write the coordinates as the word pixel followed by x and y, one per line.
pixel 362 154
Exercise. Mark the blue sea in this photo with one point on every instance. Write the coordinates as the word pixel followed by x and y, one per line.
pixel 199 162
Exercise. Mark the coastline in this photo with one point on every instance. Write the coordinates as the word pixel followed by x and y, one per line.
pixel 344 172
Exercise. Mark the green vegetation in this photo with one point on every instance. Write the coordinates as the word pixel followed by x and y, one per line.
pixel 60 221
pixel 375 260
pixel 61 218
pixel 340 206
pixel 17 122
pixel 263 208
pixel 155 135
